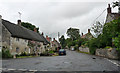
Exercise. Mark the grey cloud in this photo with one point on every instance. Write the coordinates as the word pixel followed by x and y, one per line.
pixel 54 17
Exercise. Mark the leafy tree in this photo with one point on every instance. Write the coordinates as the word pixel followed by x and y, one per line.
pixel 68 42
pixel 29 26
pixel 116 4
pixel 62 41
pixel 73 33
pixel 117 42
pixel 110 30
pixel 97 28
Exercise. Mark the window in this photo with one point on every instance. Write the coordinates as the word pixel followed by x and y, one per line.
pixel 25 40
pixel 17 39
pixel 25 49
pixel 17 49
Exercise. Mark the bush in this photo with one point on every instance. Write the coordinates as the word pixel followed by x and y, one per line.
pixel 92 46
pixel 17 55
pixel 23 54
pixel 6 53
pixel 51 52
pixel 107 47
pixel 76 47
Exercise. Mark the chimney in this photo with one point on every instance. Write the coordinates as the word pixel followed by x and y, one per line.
pixel 109 9
pixel 82 34
pixel 42 33
pixel 54 39
pixel 46 36
pixel 19 22
pixel 88 30
pixel 35 30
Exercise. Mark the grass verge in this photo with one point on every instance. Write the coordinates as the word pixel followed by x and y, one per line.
pixel 83 52
pixel 25 56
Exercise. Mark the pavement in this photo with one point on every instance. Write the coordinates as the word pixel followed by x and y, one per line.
pixel 73 62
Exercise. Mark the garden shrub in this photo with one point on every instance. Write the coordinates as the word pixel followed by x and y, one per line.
pixel 6 53
pixel 92 46
pixel 51 52
pixel 23 54
pixel 76 47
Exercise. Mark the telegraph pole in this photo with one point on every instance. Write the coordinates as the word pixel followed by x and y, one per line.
pixel 58 36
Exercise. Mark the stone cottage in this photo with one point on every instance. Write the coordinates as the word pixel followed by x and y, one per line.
pixel 19 39
pixel 87 35
pixel 55 44
pixel 110 15
pixel 109 52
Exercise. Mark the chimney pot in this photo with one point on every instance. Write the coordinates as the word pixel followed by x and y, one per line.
pixel 54 39
pixel 88 30
pixel 42 33
pixel 109 9
pixel 35 30
pixel 82 34
pixel 19 22
pixel 46 36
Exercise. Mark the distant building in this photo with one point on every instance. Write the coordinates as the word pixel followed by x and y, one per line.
pixel 55 44
pixel 87 35
pixel 19 39
pixel 111 16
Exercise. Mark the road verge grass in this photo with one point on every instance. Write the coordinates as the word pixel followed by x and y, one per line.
pixel 26 56
pixel 82 52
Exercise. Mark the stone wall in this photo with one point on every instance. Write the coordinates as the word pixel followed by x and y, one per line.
pixel 11 43
pixel 19 45
pixel 109 53
pixel 5 37
pixel 86 49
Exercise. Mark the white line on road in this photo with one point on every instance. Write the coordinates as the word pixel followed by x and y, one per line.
pixel 112 62
pixel 11 69
pixel 22 69
pixel 33 70
pixel 43 70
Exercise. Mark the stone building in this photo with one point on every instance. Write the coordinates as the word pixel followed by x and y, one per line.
pixel 55 44
pixel 110 15
pixel 19 39
pixel 87 35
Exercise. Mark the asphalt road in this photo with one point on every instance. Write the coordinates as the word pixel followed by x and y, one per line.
pixel 73 61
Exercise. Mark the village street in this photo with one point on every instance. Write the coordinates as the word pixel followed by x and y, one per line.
pixel 73 61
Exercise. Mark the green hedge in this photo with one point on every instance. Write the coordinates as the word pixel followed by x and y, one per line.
pixel 6 53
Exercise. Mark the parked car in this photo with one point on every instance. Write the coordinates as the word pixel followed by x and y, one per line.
pixel 62 52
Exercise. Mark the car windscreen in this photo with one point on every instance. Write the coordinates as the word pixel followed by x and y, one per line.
pixel 61 50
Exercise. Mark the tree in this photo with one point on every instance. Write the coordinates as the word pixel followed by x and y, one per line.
pixel 73 33
pixel 29 26
pixel 97 28
pixel 62 41
pixel 116 4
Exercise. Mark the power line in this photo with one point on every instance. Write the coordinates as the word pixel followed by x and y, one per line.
pixel 99 15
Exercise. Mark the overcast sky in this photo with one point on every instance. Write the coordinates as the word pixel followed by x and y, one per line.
pixel 53 16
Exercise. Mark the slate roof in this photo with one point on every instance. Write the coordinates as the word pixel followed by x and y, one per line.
pixel 87 36
pixel 112 16
pixel 45 40
pixel 22 32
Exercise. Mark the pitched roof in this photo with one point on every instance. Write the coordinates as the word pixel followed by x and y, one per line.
pixel 22 32
pixel 45 40
pixel 112 16
pixel 56 42
pixel 87 35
